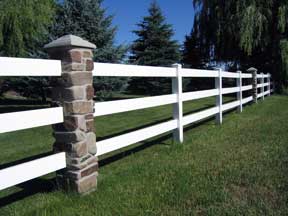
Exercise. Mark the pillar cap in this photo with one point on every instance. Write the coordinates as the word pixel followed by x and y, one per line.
pixel 69 41
pixel 252 69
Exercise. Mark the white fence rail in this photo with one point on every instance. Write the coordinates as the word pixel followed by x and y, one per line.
pixel 29 119
pixel 35 118
pixel 176 98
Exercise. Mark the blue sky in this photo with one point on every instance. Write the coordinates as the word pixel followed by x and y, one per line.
pixel 127 13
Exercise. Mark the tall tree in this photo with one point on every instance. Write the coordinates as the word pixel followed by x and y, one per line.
pixel 88 19
pixel 24 29
pixel 154 46
pixel 24 26
pixel 245 33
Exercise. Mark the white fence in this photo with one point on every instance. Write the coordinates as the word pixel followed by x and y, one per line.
pixel 29 119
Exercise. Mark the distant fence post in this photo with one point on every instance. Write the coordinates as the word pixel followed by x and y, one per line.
pixel 219 97
pixel 254 83
pixel 239 93
pixel 262 86
pixel 74 92
pixel 178 107
pixel 269 84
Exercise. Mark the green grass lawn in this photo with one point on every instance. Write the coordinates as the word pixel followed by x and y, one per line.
pixel 239 168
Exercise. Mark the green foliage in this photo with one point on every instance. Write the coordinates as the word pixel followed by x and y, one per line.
pixel 242 33
pixel 88 19
pixel 153 47
pixel 24 26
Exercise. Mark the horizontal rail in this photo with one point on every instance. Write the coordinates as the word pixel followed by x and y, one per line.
pixel 264 76
pixel 199 94
pixel 262 85
pixel 246 75
pixel 24 172
pixel 247 100
pixel 121 70
pixel 112 107
pixel 124 140
pixel 29 119
pixel 230 105
pixel 246 88
pixel 230 75
pixel 230 90
pixel 199 115
pixel 29 67
pixel 198 73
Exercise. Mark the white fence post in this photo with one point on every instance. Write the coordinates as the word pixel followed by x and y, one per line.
pixel 269 84
pixel 239 93
pixel 219 97
pixel 262 87
pixel 178 107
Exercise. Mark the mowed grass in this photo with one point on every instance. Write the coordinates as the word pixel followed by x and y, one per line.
pixel 238 168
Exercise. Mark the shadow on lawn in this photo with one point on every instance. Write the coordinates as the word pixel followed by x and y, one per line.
pixel 38 185
pixel 31 187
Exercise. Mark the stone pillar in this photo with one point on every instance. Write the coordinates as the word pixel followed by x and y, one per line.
pixel 74 92
pixel 254 83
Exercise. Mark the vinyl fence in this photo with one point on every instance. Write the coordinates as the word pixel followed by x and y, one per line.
pixel 29 119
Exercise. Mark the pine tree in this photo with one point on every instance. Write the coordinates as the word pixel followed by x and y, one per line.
pixel 87 19
pixel 155 47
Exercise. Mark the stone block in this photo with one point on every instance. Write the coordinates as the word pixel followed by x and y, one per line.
pixel 89 65
pixel 77 79
pixel 86 184
pixel 74 93
pixel 75 122
pixel 90 125
pixel 67 67
pixel 91 142
pixel 69 137
pixel 78 107
pixel 92 168
pixel 89 92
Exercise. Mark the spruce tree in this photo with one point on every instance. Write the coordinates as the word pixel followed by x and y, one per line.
pixel 155 47
pixel 88 19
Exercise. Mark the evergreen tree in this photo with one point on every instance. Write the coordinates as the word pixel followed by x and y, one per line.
pixel 244 34
pixel 87 19
pixel 153 47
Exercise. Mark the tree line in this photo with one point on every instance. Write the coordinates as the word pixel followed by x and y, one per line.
pixel 237 34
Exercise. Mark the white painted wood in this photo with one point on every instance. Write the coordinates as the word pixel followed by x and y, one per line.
pixel 246 75
pixel 247 100
pixel 112 107
pixel 198 73
pixel 29 119
pixel 195 117
pixel 121 70
pixel 230 90
pixel 230 105
pixel 269 84
pixel 26 171
pixel 199 94
pixel 29 67
pixel 229 75
pixel 239 93
pixel 178 107
pixel 262 88
pixel 246 88
pixel 219 97
pixel 124 140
